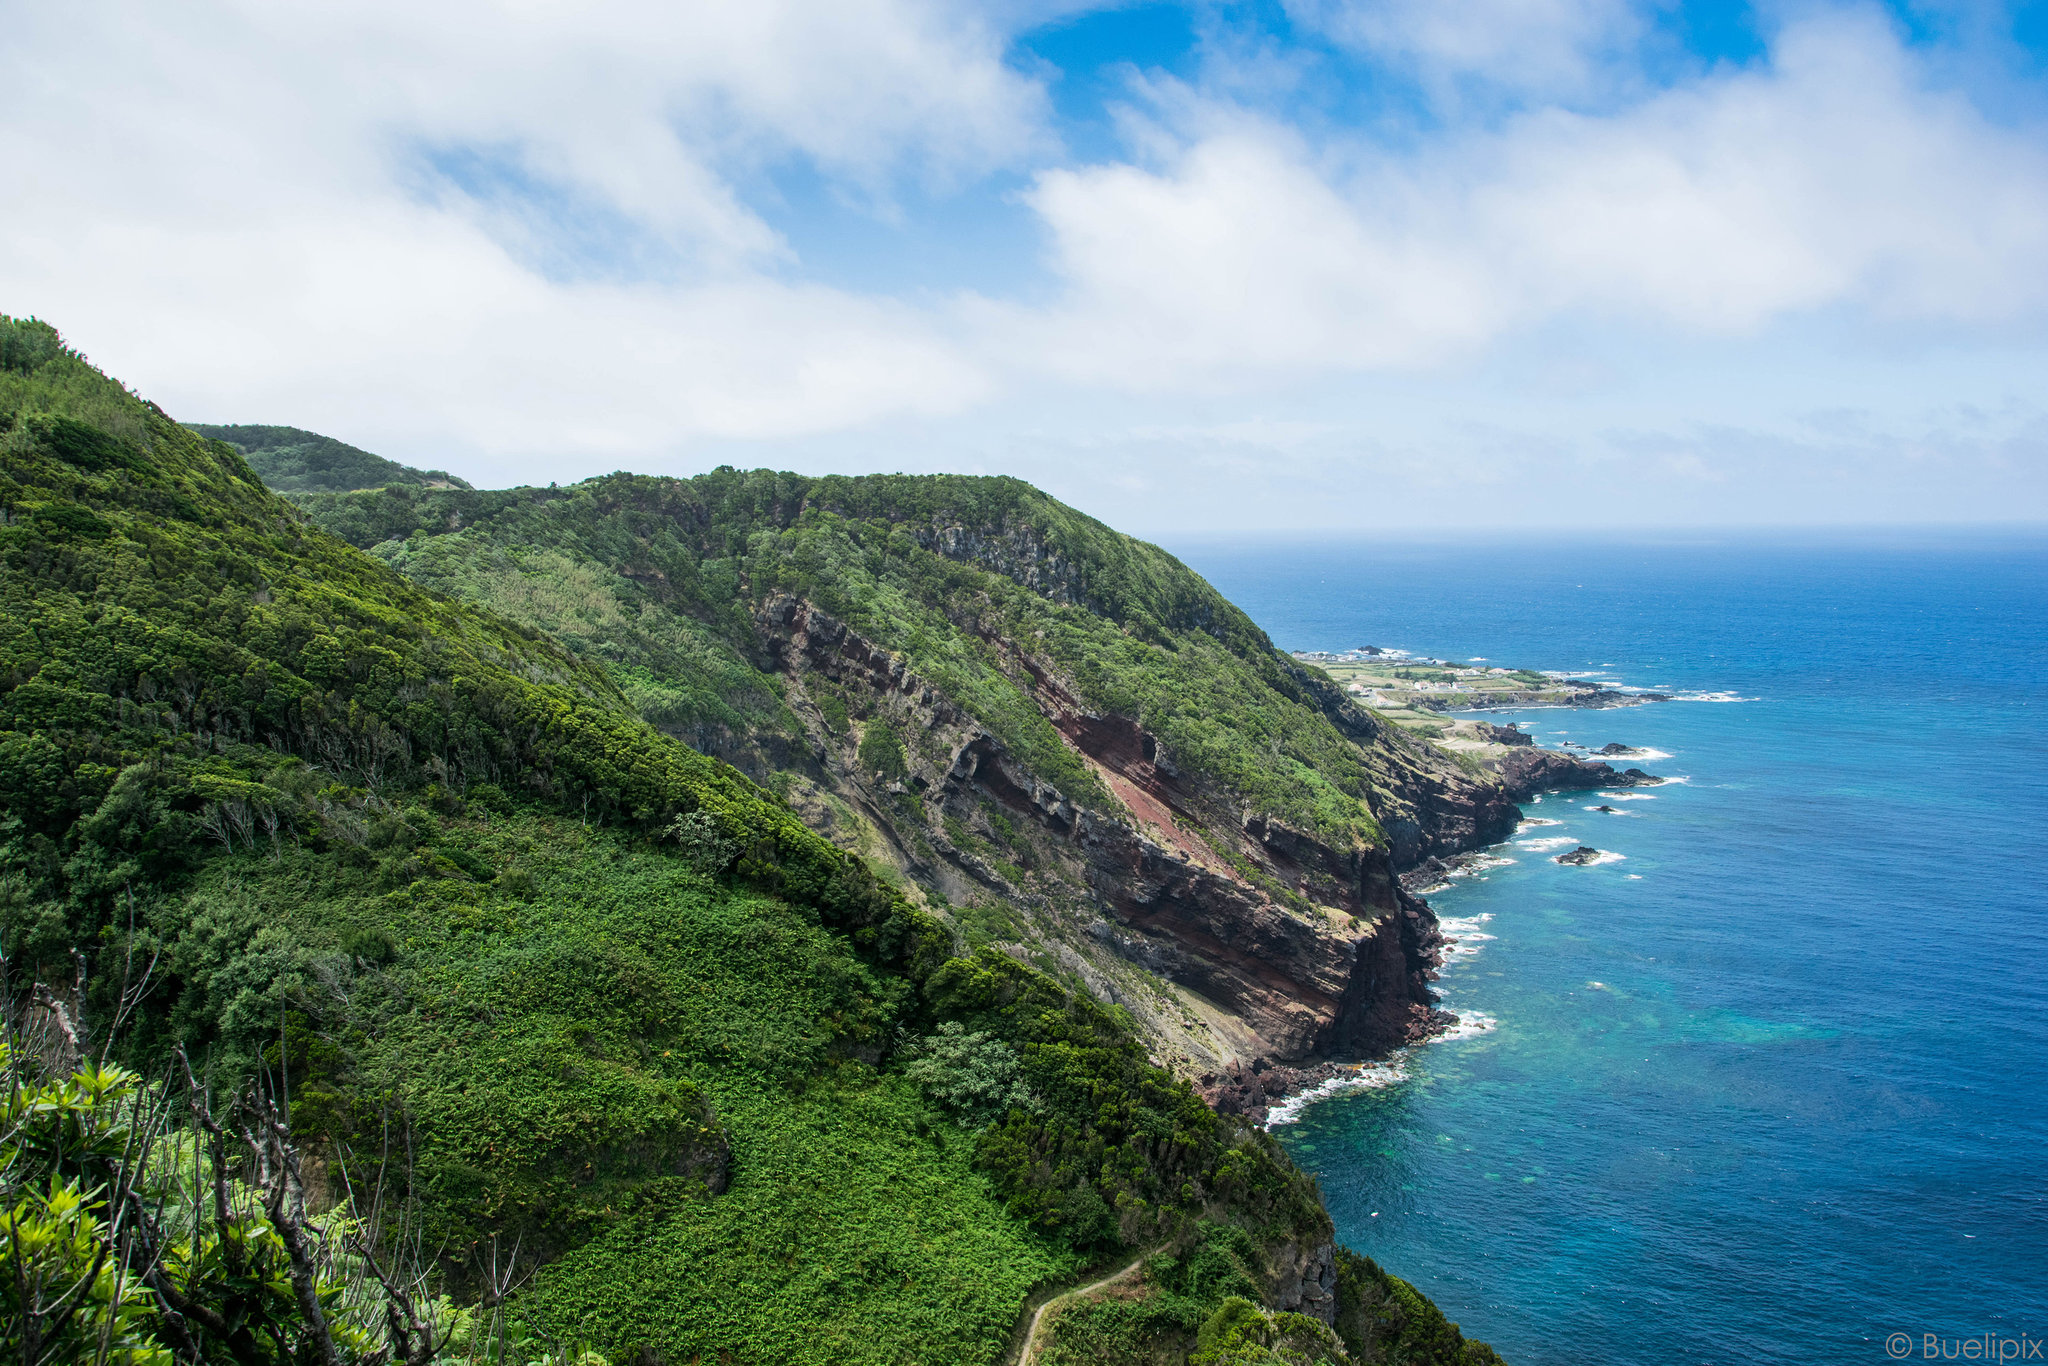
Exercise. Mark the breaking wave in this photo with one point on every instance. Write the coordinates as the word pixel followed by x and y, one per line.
pixel 1471 1024
pixel 1462 935
pixel 1371 1076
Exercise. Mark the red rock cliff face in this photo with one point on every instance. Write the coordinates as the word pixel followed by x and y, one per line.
pixel 1230 936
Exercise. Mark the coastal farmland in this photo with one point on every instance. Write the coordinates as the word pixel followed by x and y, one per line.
pixel 1414 692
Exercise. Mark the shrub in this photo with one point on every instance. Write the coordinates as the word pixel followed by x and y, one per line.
pixel 975 1076
pixel 881 753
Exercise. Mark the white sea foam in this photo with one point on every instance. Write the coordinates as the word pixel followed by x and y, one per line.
pixel 1629 796
pixel 1639 754
pixel 1603 856
pixel 1481 864
pixel 1548 843
pixel 1377 1076
pixel 1711 697
pixel 1372 1076
pixel 1462 936
pixel 1537 822
pixel 1471 1024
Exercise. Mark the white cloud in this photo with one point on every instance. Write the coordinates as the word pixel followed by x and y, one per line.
pixel 239 207
pixel 1833 177
pixel 1241 256
pixel 1550 47
pixel 230 201
pixel 1830 178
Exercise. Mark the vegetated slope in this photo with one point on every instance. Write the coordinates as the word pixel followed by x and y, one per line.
pixel 1068 740
pixel 294 461
pixel 587 1000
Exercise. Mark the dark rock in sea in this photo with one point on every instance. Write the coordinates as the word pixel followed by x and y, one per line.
pixel 1608 809
pixel 1617 750
pixel 1510 734
pixel 1601 697
pixel 1525 772
pixel 1428 873
pixel 1580 856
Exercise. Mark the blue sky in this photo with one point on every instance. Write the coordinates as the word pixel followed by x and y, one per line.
pixel 1320 265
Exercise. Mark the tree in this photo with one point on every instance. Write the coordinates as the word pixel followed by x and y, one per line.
pixel 976 1076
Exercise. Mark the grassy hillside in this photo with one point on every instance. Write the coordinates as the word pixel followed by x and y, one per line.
pixel 582 997
pixel 294 461
pixel 656 576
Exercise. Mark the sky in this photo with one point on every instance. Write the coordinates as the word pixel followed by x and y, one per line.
pixel 1298 265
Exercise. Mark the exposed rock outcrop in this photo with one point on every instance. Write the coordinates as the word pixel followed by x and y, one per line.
pixel 1234 937
pixel 1525 772
pixel 1303 1280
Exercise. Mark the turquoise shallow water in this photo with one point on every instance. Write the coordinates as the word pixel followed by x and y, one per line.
pixel 1775 1085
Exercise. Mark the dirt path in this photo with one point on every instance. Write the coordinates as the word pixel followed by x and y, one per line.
pixel 1029 1356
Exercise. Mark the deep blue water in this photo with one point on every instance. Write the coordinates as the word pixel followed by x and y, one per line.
pixel 1775 1085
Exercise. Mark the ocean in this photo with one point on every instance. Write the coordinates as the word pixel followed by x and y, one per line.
pixel 1773 1086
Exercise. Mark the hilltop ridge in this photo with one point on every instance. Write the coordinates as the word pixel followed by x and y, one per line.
pixel 293 460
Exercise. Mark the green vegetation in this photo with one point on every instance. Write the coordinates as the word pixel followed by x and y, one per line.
pixel 1239 1333
pixel 1198 1303
pixel 294 461
pixel 109 1221
pixel 563 1009
pixel 1183 1287
pixel 1406 692
pixel 974 1076
pixel 1384 1318
pixel 663 576
pixel 881 753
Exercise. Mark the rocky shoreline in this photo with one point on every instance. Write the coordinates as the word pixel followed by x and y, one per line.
pixel 1584 694
pixel 1525 770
